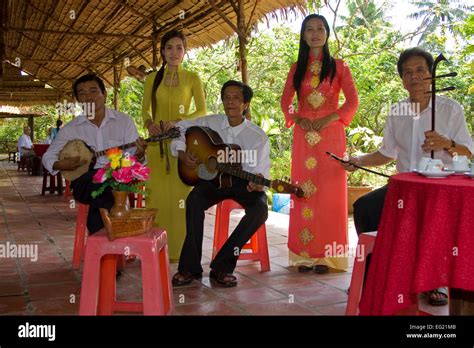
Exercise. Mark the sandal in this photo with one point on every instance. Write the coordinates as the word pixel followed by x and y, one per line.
pixel 304 269
pixel 321 269
pixel 438 301
pixel 227 280
pixel 184 278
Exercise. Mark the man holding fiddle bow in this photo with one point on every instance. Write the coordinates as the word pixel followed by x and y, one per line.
pixel 408 138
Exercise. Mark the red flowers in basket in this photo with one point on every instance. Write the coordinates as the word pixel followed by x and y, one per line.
pixel 122 173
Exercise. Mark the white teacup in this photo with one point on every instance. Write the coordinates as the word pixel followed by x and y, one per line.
pixel 460 163
pixel 422 165
pixel 430 165
pixel 435 166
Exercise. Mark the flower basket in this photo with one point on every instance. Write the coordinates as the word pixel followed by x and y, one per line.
pixel 139 222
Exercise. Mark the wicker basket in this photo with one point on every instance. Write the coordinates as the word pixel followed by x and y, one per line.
pixel 139 222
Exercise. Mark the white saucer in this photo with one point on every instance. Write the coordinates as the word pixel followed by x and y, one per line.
pixel 437 175
pixel 469 175
pixel 460 171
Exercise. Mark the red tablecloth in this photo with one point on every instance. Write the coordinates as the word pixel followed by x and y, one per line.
pixel 425 241
pixel 40 149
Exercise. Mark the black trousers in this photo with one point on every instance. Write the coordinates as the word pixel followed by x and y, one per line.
pixel 205 195
pixel 368 210
pixel 82 188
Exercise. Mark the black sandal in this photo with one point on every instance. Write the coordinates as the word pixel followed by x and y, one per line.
pixel 321 269
pixel 304 269
pixel 186 278
pixel 226 280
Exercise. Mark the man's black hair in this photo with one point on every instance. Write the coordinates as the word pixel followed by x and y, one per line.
pixel 88 77
pixel 247 92
pixel 414 52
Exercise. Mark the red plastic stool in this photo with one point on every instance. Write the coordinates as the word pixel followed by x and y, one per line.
pixel 98 288
pixel 257 243
pixel 366 243
pixel 80 237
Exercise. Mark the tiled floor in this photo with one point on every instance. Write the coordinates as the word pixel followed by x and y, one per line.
pixel 50 286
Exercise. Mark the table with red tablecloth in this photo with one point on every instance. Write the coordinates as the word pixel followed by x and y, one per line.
pixel 425 241
pixel 40 149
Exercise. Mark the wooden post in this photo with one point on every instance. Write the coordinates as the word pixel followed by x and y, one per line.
pixel 3 16
pixel 116 87
pixel 242 42
pixel 155 48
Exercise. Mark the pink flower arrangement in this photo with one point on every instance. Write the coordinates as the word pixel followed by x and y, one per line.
pixel 122 173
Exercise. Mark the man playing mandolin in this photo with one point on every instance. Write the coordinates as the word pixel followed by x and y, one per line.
pixel 99 128
pixel 233 128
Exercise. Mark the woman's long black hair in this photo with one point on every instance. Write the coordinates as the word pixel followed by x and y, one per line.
pixel 168 36
pixel 329 64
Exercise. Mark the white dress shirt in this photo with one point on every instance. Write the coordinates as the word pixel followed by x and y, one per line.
pixel 405 129
pixel 24 141
pixel 116 129
pixel 247 135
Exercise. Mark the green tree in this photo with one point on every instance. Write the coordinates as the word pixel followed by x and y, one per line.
pixel 441 14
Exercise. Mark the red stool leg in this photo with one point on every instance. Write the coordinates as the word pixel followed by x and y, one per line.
pixel 223 223
pixel 45 178
pixel 108 270
pixel 166 280
pixel 215 242
pixel 80 237
pixel 139 200
pixel 60 184
pixel 67 191
pixel 366 243
pixel 90 283
pixel 152 289
pixel 263 248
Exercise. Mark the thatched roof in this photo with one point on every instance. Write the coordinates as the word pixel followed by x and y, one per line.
pixel 57 41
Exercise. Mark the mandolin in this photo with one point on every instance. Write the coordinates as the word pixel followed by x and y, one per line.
pixel 79 148
pixel 208 146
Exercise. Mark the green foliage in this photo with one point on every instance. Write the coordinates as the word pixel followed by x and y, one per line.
pixel 362 140
pixel 439 15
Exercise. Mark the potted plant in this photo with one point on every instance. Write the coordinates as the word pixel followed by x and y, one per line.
pixel 360 140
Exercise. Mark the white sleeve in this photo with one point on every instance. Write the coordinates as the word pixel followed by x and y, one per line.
pixel 23 142
pixel 130 135
pixel 458 129
pixel 389 146
pixel 263 158
pixel 179 144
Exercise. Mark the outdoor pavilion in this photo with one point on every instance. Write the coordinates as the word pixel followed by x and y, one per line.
pixel 55 42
